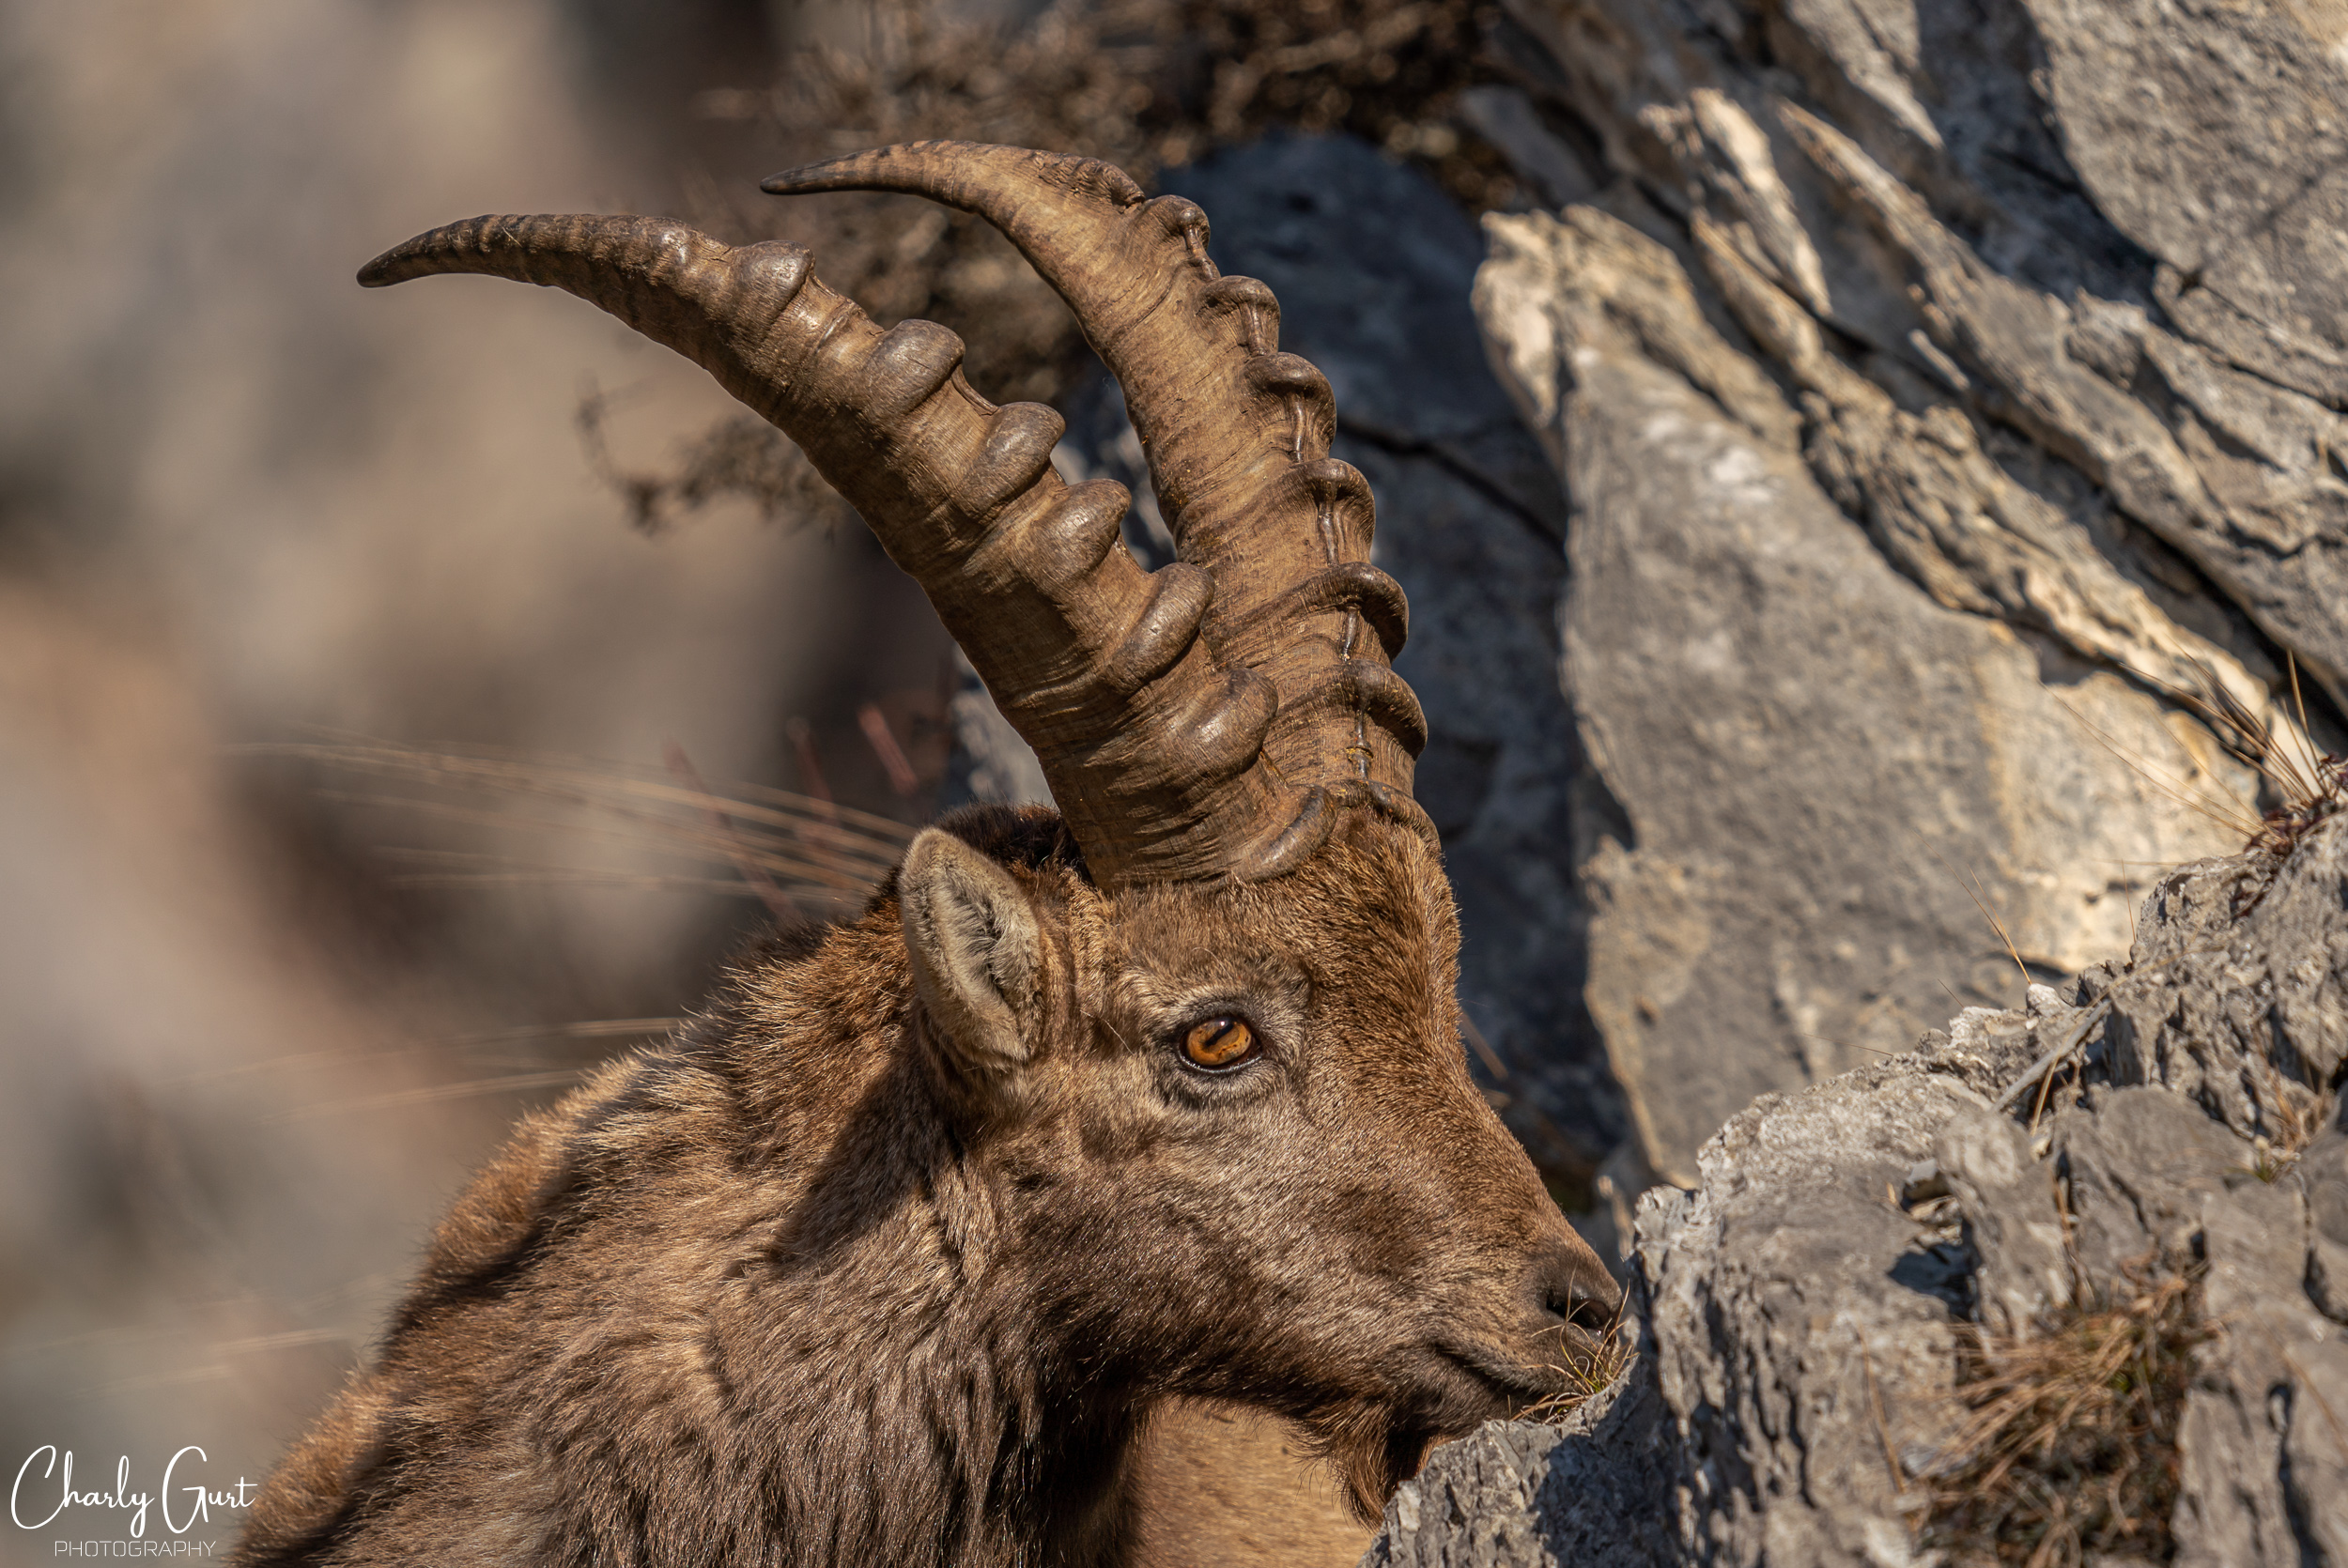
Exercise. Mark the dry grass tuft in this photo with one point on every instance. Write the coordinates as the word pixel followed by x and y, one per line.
pixel 2297 1114
pixel 1150 83
pixel 2071 1446
pixel 1587 1373
pixel 2307 785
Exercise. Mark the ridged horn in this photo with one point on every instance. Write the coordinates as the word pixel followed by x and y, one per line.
pixel 1237 436
pixel 1200 721
pixel 1150 749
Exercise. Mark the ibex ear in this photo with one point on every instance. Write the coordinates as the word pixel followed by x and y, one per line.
pixel 978 956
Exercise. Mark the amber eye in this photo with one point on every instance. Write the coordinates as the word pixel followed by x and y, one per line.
pixel 1219 1043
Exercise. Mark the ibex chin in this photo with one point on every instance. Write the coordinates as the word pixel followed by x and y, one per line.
pixel 894 1255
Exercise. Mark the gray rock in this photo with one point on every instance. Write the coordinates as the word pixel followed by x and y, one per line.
pixel 2251 966
pixel 2038 296
pixel 2324 1170
pixel 1945 397
pixel 1801 1311
pixel 989 761
pixel 1791 1304
pixel 2213 136
pixel 2021 1274
pixel 2264 1439
pixel 1823 777
pixel 1506 117
pixel 2102 223
pixel 1525 1495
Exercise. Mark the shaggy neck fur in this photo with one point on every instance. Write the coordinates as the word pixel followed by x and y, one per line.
pixel 746 1299
pixel 957 1417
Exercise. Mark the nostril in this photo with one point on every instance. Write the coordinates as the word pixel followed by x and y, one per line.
pixel 1574 1287
pixel 1585 1312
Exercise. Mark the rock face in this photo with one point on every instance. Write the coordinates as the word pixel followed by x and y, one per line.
pixel 1819 769
pixel 989 761
pixel 1940 393
pixel 1793 1400
pixel 1911 482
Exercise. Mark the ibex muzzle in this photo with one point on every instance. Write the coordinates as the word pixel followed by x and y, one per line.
pixel 889 1257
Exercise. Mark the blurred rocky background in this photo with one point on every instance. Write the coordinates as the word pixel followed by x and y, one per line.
pixel 242 504
pixel 1869 494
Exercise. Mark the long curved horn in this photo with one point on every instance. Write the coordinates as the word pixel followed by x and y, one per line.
pixel 1174 757
pixel 1151 749
pixel 1237 436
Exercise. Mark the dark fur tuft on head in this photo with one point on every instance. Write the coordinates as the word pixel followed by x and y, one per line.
pixel 1032 836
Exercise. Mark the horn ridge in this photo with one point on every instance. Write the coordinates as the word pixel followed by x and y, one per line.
pixel 960 174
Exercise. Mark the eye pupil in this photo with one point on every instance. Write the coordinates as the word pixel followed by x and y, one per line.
pixel 1218 1042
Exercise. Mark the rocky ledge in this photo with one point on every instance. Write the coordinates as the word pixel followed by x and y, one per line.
pixel 2066 1284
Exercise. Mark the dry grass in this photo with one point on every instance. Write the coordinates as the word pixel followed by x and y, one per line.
pixel 803 857
pixel 1150 83
pixel 1144 83
pixel 806 859
pixel 1587 1373
pixel 2297 1115
pixel 2307 786
pixel 2071 1445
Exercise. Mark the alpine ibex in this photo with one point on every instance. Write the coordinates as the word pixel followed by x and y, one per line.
pixel 889 1257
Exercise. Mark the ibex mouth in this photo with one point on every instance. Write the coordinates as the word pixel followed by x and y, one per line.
pixel 1509 1383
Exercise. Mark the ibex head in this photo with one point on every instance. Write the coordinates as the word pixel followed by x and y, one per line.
pixel 1235 1149
pixel 1160 1097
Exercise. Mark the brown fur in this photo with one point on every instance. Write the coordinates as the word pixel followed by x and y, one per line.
pixel 806 1287
pixel 1214 1485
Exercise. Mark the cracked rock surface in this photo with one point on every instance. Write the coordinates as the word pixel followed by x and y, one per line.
pixel 1942 393
pixel 1793 1401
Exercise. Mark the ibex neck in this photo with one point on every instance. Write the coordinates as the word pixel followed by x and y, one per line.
pixel 746 1299
pixel 940 1425
pixel 896 1375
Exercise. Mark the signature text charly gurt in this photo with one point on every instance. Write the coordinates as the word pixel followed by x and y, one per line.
pixel 45 1493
